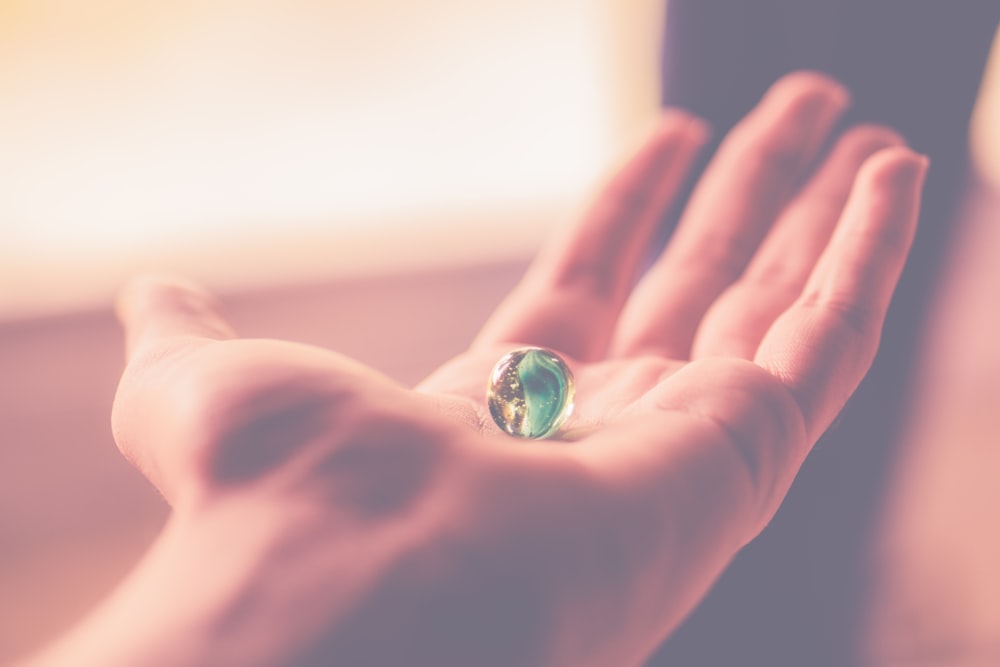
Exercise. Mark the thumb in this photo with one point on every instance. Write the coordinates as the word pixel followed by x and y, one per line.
pixel 156 310
pixel 166 319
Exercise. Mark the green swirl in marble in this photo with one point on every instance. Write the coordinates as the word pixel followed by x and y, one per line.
pixel 530 393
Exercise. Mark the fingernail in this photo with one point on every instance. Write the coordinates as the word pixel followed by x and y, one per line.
pixel 913 170
pixel 693 127
pixel 815 91
pixel 701 130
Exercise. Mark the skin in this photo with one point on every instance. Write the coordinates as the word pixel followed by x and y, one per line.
pixel 323 514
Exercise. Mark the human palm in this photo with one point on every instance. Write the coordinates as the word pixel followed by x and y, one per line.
pixel 700 389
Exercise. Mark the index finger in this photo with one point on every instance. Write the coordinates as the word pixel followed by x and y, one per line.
pixel 570 297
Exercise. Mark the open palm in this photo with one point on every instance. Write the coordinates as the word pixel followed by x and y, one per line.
pixel 701 387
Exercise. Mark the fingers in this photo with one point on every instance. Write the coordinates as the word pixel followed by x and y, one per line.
pixel 774 278
pixel 158 309
pixel 571 296
pixel 747 184
pixel 824 343
pixel 710 452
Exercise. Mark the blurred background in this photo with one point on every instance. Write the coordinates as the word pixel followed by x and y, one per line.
pixel 341 172
pixel 258 141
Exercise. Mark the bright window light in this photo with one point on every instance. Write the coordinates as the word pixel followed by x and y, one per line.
pixel 264 138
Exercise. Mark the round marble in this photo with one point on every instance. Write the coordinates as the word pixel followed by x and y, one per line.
pixel 530 394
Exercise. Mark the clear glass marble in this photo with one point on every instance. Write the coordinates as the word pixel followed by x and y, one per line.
pixel 531 393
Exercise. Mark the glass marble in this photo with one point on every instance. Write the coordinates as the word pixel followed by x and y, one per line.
pixel 530 393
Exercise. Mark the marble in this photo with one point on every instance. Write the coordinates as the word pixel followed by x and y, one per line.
pixel 531 393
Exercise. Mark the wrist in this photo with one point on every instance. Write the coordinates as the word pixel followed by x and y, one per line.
pixel 194 599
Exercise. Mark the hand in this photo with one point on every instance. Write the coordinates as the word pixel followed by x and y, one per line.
pixel 325 515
